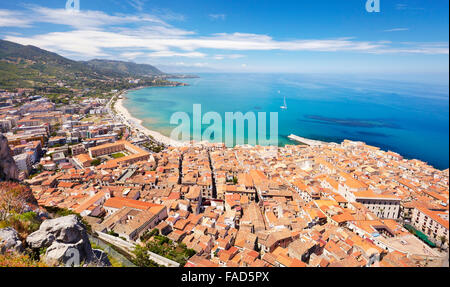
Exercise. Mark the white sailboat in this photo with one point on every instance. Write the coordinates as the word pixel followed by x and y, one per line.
pixel 284 107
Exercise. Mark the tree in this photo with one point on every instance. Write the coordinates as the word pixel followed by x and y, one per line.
pixel 190 252
pixel 112 233
pixel 13 199
pixel 234 180
pixel 162 239
pixel 142 258
pixel 96 162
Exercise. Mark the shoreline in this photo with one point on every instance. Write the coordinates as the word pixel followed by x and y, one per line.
pixel 137 124
pixel 157 136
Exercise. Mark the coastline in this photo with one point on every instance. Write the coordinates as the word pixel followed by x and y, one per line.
pixel 136 123
pixel 157 136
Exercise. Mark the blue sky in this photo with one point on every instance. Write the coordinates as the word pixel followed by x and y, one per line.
pixel 321 36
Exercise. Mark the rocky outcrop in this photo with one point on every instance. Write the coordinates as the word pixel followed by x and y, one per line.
pixel 66 241
pixel 8 168
pixel 10 241
pixel 40 239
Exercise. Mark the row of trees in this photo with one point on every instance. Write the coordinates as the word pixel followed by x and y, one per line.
pixel 163 246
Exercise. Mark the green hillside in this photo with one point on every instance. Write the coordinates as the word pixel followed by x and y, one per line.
pixel 123 68
pixel 32 67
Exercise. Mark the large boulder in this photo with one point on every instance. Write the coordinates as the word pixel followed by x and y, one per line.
pixel 66 241
pixel 66 229
pixel 40 239
pixel 69 254
pixel 10 240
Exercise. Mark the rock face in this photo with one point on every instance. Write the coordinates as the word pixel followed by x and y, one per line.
pixel 66 241
pixel 8 168
pixel 9 240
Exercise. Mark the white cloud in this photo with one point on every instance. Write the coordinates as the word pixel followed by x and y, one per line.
pixel 232 56
pixel 397 30
pixel 217 16
pixel 131 55
pixel 407 7
pixel 163 54
pixel 196 65
pixel 82 42
pixel 155 31
pixel 90 43
pixel 417 48
pixel 167 14
pixel 87 19
pixel 96 34
pixel 93 42
pixel 13 19
pixel 401 6
pixel 137 4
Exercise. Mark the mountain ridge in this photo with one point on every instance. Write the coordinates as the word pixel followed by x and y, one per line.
pixel 22 65
pixel 129 68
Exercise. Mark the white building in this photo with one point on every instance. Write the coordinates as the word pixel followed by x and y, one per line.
pixel 23 162
pixel 383 206
pixel 434 224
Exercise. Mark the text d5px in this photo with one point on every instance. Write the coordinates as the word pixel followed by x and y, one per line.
pixel 247 276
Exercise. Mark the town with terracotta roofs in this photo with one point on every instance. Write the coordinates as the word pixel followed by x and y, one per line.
pixel 205 205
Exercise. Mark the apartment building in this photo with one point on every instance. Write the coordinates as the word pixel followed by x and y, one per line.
pixel 107 149
pixel 23 162
pixel 384 206
pixel 432 223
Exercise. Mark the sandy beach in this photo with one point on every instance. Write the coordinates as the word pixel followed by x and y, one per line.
pixel 137 124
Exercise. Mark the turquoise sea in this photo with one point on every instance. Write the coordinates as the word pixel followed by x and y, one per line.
pixel 409 118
